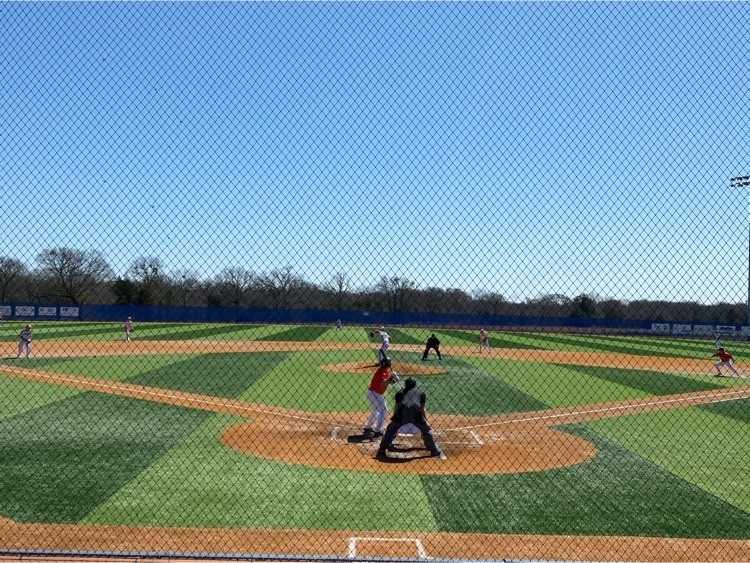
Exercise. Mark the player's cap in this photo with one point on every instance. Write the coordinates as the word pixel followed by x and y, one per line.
pixel 28 326
pixel 382 328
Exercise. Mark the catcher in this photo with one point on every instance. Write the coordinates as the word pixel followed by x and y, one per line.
pixel 409 409
pixel 381 379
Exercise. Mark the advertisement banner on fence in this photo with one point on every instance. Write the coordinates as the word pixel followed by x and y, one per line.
pixel 47 311
pixel 703 330
pixel 69 311
pixel 24 310
pixel 660 328
pixel 682 330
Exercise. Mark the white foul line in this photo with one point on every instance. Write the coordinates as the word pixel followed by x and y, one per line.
pixel 630 406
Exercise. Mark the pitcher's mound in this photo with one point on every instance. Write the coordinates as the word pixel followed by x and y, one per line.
pixel 401 368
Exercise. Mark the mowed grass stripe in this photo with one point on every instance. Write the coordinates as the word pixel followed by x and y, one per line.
pixel 111 368
pixel 202 483
pixel 297 382
pixel 658 347
pixel 556 385
pixel 470 390
pixel 21 395
pixel 194 332
pixel 652 383
pixel 615 493
pixel 62 460
pixel 215 375
pixel 399 336
pixel 297 334
pixel 706 445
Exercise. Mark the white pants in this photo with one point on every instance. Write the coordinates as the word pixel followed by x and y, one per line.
pixel 718 365
pixel 379 410
pixel 381 353
pixel 24 347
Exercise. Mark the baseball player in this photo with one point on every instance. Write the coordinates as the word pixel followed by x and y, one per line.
pixel 381 379
pixel 24 342
pixel 385 342
pixel 717 338
pixel 484 340
pixel 410 409
pixel 725 359
pixel 128 326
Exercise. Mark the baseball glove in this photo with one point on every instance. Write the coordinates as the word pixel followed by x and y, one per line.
pixel 372 333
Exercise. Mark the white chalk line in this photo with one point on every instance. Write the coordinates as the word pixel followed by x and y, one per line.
pixel 132 390
pixel 744 393
pixel 352 551
pixel 476 437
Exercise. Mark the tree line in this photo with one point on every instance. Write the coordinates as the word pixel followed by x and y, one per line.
pixel 69 276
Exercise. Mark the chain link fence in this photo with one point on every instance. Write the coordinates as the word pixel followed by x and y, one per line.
pixel 375 280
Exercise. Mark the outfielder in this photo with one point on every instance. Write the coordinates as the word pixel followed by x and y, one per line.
pixel 385 342
pixel 381 379
pixel 24 342
pixel 128 326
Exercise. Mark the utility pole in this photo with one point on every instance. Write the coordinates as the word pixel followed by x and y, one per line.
pixel 744 182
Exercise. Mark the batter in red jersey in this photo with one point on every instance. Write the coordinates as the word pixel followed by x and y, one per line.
pixel 381 379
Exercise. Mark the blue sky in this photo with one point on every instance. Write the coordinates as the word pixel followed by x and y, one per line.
pixel 521 148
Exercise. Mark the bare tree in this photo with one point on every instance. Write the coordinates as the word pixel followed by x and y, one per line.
pixel 234 285
pixel 489 302
pixel 186 282
pixel 339 287
pixel 74 273
pixel 396 292
pixel 148 273
pixel 281 285
pixel 12 273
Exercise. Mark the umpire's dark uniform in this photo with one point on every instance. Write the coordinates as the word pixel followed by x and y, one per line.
pixel 432 344
pixel 409 408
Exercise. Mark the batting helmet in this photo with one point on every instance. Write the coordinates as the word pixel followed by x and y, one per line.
pixel 385 363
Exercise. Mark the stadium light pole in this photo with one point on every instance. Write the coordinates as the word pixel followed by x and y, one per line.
pixel 744 182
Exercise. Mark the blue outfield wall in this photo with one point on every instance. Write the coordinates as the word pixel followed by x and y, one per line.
pixel 118 313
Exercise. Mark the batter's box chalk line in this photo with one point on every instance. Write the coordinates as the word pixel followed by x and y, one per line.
pixel 421 552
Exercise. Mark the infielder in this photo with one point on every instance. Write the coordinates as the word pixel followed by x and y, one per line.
pixel 128 326
pixel 381 379
pixel 24 342
pixel 725 359
pixel 385 341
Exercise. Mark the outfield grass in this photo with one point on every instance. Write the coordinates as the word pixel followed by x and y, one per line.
pixel 80 456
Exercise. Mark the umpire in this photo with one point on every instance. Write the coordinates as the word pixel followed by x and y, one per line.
pixel 432 344
pixel 409 409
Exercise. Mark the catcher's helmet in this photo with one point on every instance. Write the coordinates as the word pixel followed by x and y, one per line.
pixel 385 363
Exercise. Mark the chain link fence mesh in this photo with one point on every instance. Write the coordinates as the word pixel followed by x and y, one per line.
pixel 227 225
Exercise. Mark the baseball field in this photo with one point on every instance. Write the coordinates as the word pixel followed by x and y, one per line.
pixel 233 439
